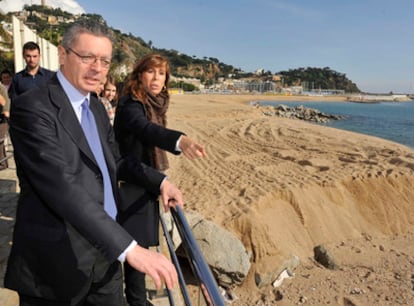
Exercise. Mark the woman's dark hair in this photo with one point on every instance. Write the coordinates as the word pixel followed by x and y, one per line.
pixel 133 85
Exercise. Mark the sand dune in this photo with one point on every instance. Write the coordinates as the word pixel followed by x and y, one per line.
pixel 284 186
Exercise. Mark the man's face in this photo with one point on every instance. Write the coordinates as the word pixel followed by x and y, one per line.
pixel 86 77
pixel 32 58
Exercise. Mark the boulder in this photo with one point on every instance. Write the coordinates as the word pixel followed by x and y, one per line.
pixel 226 256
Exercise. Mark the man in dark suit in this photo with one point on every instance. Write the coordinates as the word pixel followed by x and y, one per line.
pixel 66 248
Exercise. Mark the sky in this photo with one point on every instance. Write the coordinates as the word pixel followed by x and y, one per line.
pixel 371 41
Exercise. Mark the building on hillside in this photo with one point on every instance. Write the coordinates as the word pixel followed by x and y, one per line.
pixel 176 91
pixel 52 20
pixel 260 71
pixel 293 90
pixel 277 78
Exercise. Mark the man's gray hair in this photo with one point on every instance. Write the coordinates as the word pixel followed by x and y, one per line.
pixel 92 27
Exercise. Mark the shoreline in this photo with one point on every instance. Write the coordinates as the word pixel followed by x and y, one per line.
pixel 395 115
pixel 271 97
pixel 294 98
pixel 251 100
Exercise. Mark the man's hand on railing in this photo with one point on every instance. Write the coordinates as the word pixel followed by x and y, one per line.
pixel 155 265
pixel 171 196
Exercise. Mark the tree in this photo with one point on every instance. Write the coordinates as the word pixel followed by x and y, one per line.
pixel 318 78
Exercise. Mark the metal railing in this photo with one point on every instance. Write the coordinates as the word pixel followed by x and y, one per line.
pixel 199 266
pixel 5 158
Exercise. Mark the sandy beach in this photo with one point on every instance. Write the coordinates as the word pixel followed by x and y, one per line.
pixel 284 186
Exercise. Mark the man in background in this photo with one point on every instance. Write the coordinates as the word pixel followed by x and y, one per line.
pixel 33 75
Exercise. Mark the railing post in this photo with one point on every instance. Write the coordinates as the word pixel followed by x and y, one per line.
pixel 208 284
pixel 174 259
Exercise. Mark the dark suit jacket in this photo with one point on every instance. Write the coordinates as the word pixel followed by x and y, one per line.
pixel 137 137
pixel 61 228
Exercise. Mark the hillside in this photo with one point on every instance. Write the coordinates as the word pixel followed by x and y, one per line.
pixel 128 48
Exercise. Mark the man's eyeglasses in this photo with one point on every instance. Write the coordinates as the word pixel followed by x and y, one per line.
pixel 91 59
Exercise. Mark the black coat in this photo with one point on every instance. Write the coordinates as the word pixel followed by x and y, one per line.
pixel 137 137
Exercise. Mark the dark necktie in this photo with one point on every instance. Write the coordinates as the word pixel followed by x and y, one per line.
pixel 89 128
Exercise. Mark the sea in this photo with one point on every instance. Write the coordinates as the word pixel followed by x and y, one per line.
pixel 389 120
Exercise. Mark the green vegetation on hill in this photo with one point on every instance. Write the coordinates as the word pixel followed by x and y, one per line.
pixel 6 43
pixel 317 78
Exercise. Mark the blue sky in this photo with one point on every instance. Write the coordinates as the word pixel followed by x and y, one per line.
pixel 371 41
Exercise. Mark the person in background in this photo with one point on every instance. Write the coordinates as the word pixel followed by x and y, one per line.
pixel 103 97
pixel 140 129
pixel 4 115
pixel 33 75
pixel 110 91
pixel 67 247
pixel 4 104
pixel 6 78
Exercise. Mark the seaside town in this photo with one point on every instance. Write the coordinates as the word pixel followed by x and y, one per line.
pixel 257 82
pixel 280 211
